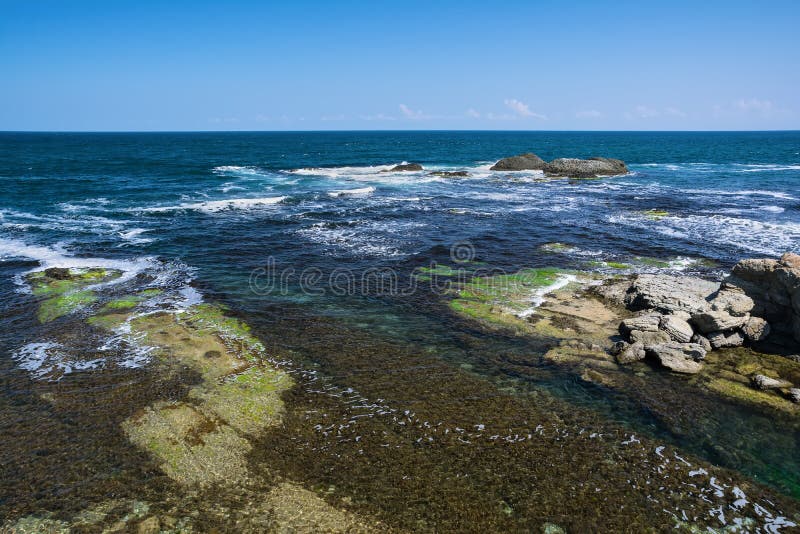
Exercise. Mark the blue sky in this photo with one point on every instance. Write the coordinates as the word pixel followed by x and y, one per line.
pixel 303 65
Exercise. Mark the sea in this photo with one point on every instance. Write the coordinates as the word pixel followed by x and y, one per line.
pixel 290 230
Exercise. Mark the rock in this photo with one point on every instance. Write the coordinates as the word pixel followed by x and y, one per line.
pixel 151 525
pixel 678 357
pixel 453 174
pixel 796 327
pixel 765 382
pixel 721 340
pixel 716 320
pixel 678 329
pixel 733 301
pixel 649 338
pixel 754 270
pixel 585 168
pixel 794 395
pixel 523 162
pixel 756 329
pixel 643 323
pixel 406 167
pixel 790 260
pixel 670 294
pixel 619 347
pixel 702 341
pixel 632 353
pixel 58 273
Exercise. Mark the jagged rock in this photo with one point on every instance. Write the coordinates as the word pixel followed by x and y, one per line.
pixel 754 270
pixel 716 320
pixel 670 294
pixel 733 301
pixel 702 341
pixel 790 260
pixel 677 329
pixel 619 347
pixel 632 353
pixel 794 395
pixel 405 167
pixel 585 168
pixel 721 340
pixel 756 329
pixel 523 162
pixel 678 357
pixel 643 323
pixel 649 338
pixel 765 382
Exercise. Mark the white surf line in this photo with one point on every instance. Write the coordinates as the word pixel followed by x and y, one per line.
pixel 538 296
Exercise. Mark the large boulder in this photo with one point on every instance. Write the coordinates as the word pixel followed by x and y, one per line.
pixel 406 167
pixel 670 294
pixel 585 168
pixel 629 353
pixel 715 320
pixel 756 329
pixel 677 329
pixel 649 339
pixel 523 162
pixel 678 357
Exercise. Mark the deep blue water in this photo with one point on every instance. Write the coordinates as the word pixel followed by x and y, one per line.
pixel 206 209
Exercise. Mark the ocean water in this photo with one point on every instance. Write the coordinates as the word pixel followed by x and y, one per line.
pixel 203 214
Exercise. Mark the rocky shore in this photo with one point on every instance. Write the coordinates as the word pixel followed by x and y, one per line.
pixel 563 167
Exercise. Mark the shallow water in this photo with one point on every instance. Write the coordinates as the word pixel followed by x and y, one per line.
pixel 197 213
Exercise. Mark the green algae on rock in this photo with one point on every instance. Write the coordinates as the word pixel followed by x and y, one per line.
pixel 66 290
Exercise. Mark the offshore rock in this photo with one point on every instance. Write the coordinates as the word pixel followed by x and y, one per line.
pixel 585 168
pixel 406 167
pixel 523 162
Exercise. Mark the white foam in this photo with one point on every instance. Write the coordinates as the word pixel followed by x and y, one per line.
pixel 132 236
pixel 216 206
pixel 537 299
pixel 47 360
pixel 352 192
pixel 238 169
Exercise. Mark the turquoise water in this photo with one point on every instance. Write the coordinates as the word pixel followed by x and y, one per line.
pixel 198 214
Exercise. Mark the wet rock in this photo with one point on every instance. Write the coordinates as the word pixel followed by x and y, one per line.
pixel 449 174
pixel 756 329
pixel 618 347
pixel 631 353
pixel 58 273
pixel 764 382
pixel 649 338
pixel 670 294
pixel 721 340
pixel 794 395
pixel 677 329
pixel 642 323
pixel 523 162
pixel 406 167
pixel 702 341
pixel 585 168
pixel 678 357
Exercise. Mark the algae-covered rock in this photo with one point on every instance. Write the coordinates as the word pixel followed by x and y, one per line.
pixel 765 382
pixel 66 290
pixel 190 447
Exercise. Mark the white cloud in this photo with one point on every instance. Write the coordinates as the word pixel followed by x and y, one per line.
pixel 409 113
pixel 754 104
pixel 522 109
pixel 473 114
pixel 378 117
pixel 588 114
pixel 500 116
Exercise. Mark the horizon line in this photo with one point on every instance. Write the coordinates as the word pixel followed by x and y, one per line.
pixel 405 130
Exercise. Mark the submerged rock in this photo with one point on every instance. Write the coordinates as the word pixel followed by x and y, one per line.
pixel 523 162
pixel 449 174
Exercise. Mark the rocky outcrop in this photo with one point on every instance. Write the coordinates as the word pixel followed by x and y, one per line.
pixel 774 288
pixel 585 168
pixel 684 315
pixel 406 167
pixel 563 167
pixel 523 162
